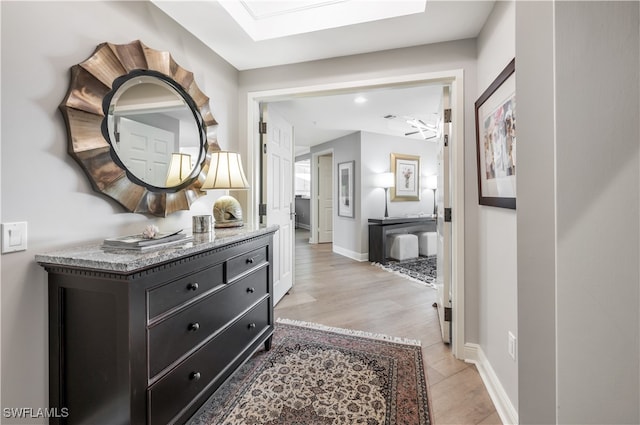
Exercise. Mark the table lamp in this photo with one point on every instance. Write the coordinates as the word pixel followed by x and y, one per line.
pixel 226 172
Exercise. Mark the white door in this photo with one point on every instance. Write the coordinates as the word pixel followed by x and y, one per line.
pixel 325 198
pixel 277 178
pixel 146 151
pixel 443 280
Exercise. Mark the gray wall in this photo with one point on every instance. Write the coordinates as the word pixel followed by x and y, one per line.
pixel 497 236
pixel 578 289
pixel 597 110
pixel 42 185
pixel 536 213
pixel 303 213
pixel 346 233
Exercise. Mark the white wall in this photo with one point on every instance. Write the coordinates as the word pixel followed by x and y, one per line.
pixel 497 235
pixel 43 185
pixel 376 159
pixel 578 278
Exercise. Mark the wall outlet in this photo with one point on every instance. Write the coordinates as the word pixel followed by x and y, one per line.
pixel 512 346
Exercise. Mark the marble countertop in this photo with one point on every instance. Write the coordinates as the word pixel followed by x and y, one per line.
pixel 95 257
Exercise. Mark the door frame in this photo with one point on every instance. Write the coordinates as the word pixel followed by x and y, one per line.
pixel 455 78
pixel 314 191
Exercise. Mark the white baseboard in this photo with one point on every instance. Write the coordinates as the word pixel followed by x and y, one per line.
pixel 473 354
pixel 303 226
pixel 351 254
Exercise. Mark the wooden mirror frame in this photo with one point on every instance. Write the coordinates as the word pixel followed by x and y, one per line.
pixel 82 109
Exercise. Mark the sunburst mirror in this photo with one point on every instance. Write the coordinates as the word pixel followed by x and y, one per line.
pixel 140 128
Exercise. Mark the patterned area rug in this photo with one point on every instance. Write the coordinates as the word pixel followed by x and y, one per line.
pixel 315 375
pixel 421 269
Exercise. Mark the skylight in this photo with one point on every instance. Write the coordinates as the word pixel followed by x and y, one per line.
pixel 263 20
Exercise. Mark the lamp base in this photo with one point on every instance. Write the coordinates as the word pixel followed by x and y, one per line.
pixel 386 211
pixel 227 212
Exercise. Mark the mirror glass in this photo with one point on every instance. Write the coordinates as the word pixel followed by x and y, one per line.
pixel 154 132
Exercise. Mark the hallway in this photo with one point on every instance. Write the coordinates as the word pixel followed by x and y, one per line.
pixel 336 291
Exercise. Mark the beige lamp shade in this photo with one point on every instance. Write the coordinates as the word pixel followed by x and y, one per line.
pixel 179 169
pixel 225 172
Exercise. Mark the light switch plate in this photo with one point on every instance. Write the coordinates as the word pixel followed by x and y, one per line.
pixel 14 237
pixel 512 346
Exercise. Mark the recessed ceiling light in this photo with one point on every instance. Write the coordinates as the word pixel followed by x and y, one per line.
pixel 360 99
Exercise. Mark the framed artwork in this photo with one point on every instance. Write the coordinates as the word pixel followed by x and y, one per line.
pixel 496 141
pixel 346 189
pixel 406 172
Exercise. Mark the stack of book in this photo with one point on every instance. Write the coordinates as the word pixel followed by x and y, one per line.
pixel 140 243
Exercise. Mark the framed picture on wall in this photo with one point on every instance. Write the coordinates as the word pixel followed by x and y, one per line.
pixel 406 173
pixel 346 189
pixel 496 141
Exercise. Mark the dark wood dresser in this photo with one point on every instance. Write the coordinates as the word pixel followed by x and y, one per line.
pixel 147 338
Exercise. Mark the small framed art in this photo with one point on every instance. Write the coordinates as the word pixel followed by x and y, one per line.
pixel 346 189
pixel 406 173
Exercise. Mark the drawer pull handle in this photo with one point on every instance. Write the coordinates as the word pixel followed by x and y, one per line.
pixel 252 325
pixel 193 286
pixel 249 260
pixel 251 290
pixel 194 326
pixel 194 376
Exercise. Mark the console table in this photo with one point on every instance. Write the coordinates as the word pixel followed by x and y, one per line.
pixel 380 227
pixel 147 337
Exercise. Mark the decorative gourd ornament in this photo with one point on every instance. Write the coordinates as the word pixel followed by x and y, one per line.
pixel 227 212
pixel 225 172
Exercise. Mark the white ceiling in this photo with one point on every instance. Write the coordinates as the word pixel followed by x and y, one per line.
pixel 319 119
pixel 214 26
pixel 324 118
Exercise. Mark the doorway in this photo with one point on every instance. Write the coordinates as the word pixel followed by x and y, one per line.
pixel 452 78
pixel 324 200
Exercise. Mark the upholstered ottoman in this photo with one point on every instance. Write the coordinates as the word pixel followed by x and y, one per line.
pixel 427 243
pixel 402 246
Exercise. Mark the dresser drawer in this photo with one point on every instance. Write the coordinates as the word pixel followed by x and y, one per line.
pixel 244 262
pixel 171 295
pixel 177 390
pixel 173 337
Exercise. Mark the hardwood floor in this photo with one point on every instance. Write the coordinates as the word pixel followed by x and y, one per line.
pixel 336 291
